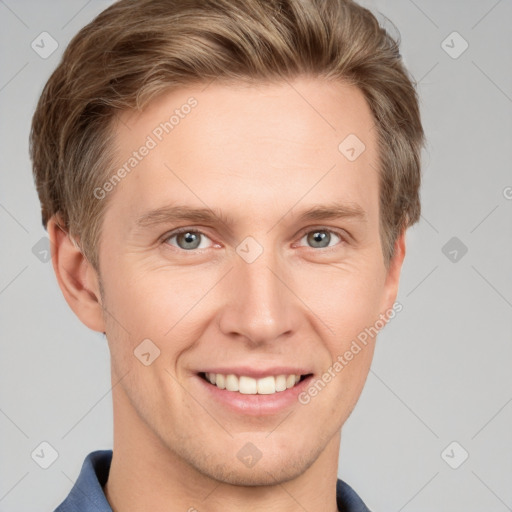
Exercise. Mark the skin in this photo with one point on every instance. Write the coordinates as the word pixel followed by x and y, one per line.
pixel 261 155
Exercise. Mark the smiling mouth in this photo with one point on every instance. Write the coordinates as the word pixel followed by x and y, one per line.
pixel 250 386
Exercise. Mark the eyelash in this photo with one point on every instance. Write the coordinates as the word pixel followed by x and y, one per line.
pixel 178 231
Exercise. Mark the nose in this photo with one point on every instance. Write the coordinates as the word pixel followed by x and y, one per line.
pixel 260 305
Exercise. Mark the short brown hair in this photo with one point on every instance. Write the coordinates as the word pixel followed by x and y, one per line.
pixel 136 49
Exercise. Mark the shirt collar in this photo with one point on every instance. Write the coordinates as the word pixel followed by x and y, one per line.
pixel 87 494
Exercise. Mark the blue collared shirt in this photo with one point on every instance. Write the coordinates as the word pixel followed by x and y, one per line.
pixel 87 494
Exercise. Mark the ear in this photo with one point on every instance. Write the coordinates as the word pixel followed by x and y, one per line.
pixel 77 279
pixel 393 273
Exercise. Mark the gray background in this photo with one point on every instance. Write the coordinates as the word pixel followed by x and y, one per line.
pixel 442 368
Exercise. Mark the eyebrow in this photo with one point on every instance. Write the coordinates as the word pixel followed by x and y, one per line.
pixel 213 215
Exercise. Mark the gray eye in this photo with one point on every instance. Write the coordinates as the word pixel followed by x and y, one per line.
pixel 188 240
pixel 319 238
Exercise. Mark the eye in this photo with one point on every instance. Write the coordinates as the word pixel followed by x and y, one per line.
pixel 186 239
pixel 320 238
pixel 190 239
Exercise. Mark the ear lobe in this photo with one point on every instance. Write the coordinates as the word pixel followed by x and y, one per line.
pixel 77 279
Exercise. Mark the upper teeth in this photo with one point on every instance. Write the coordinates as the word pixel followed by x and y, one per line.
pixel 249 386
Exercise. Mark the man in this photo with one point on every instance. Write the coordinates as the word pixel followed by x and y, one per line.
pixel 227 186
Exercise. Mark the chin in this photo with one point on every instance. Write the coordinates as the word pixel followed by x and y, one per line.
pixel 273 470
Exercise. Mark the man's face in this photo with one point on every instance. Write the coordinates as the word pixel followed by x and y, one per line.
pixel 256 290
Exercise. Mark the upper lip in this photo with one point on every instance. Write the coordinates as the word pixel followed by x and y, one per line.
pixel 258 373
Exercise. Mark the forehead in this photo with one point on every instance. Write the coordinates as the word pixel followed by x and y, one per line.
pixel 249 146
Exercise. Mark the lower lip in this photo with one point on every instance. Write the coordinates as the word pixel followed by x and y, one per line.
pixel 255 405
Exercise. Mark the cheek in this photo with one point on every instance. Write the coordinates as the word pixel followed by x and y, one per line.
pixel 166 306
pixel 346 299
pixel 150 298
pixel 348 302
